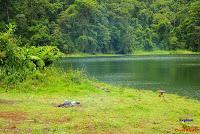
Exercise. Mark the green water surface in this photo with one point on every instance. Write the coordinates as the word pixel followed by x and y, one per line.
pixel 176 74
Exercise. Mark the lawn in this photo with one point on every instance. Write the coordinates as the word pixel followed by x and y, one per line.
pixel 30 107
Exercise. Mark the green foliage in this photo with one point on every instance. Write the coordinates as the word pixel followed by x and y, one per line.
pixel 9 50
pixel 40 35
pixel 46 54
pixel 191 27
pixel 94 26
pixel 32 31
pixel 16 62
pixel 87 44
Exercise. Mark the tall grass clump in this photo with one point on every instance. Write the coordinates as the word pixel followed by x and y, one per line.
pixel 50 80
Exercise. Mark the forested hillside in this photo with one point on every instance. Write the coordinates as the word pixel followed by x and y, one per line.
pixel 104 26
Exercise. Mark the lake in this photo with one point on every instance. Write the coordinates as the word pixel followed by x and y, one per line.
pixel 176 74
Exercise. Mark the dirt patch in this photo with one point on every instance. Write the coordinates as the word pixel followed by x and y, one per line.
pixel 2 101
pixel 10 126
pixel 13 116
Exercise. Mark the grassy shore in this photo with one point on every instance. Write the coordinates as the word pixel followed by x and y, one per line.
pixel 30 107
pixel 164 52
pixel 91 55
pixel 137 52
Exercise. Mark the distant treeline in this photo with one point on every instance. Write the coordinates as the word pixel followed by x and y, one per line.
pixel 104 26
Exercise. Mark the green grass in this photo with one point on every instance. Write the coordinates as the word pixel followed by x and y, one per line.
pixel 163 52
pixel 137 52
pixel 29 106
pixel 90 55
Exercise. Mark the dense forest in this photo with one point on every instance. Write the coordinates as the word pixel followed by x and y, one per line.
pixel 103 26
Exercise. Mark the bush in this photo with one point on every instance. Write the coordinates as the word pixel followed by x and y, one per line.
pixel 16 63
pixel 48 54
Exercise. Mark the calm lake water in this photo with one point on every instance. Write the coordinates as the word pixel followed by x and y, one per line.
pixel 176 74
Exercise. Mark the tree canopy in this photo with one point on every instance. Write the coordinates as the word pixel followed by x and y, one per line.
pixel 104 26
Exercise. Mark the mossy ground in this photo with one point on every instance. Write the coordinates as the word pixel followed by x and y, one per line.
pixel 30 107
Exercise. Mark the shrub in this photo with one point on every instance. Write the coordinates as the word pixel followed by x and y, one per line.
pixel 48 54
pixel 16 63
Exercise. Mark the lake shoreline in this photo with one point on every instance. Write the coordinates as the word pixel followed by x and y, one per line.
pixel 31 105
pixel 173 73
pixel 137 53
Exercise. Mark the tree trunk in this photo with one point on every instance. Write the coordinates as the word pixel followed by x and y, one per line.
pixel 7 12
